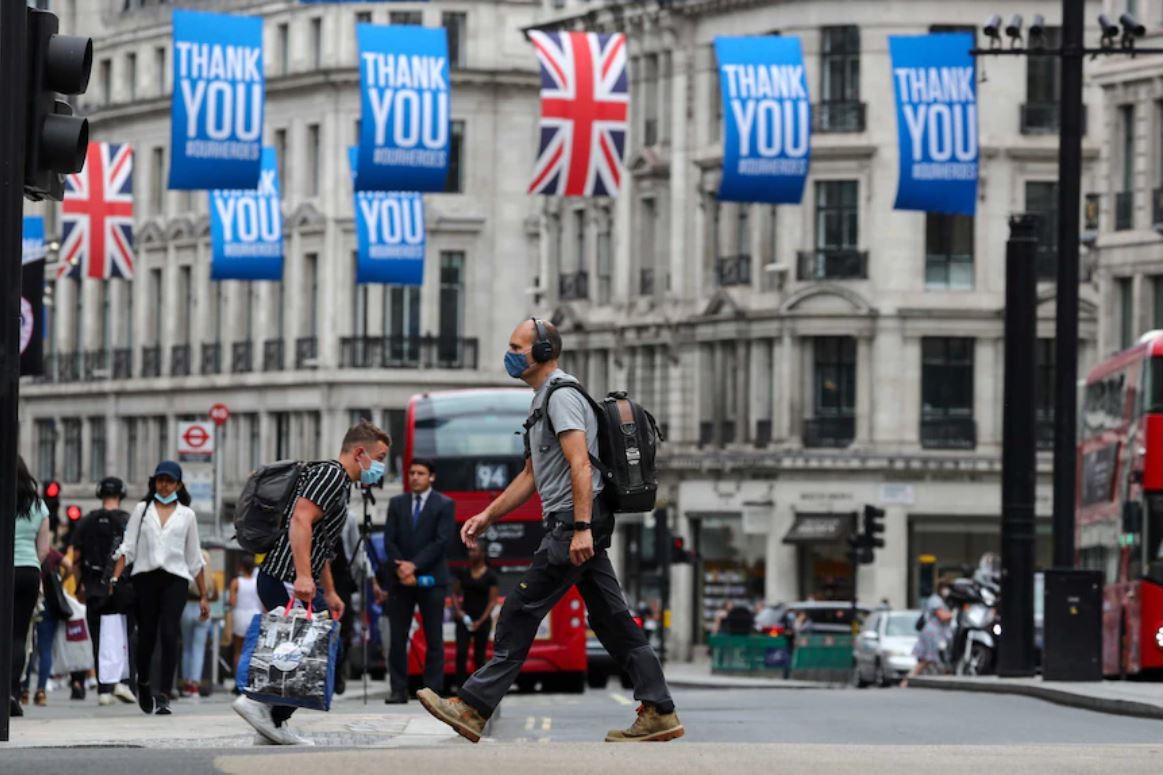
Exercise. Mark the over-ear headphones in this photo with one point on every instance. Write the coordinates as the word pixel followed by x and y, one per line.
pixel 112 487
pixel 542 348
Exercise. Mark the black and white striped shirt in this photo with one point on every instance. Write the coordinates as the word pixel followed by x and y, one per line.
pixel 327 485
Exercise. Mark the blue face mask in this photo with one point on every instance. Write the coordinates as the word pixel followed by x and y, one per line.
pixel 372 475
pixel 516 364
pixel 165 499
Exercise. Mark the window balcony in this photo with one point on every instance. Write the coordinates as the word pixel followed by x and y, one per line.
pixel 832 264
pixel 1124 210
pixel 380 352
pixel 948 433
pixel 96 365
pixel 212 358
pixel 306 352
pixel 241 357
pixel 838 117
pixel 69 367
pixel 716 434
pixel 574 286
pixel 180 360
pixel 272 355
pixel 1043 118
pixel 151 361
pixel 733 270
pixel 829 432
pixel 646 282
pixel 122 363
pixel 762 433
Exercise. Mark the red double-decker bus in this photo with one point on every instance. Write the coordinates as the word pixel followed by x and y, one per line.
pixel 1120 502
pixel 474 436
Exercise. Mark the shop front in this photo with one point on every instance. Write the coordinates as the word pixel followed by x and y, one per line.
pixel 824 569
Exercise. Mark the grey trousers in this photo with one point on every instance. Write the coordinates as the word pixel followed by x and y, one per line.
pixel 548 578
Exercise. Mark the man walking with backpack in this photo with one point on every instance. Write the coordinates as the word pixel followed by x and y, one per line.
pixel 562 465
pixel 298 567
pixel 91 549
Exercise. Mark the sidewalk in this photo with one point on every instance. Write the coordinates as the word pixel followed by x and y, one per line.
pixel 697 674
pixel 1124 698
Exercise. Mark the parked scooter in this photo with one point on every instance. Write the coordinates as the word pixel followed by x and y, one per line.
pixel 976 626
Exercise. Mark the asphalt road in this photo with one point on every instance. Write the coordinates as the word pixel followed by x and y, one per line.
pixel 784 730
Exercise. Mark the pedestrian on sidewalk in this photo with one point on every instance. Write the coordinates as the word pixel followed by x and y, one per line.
pixel 579 527
pixel 44 633
pixel 195 632
pixel 31 547
pixel 162 544
pixel 934 634
pixel 244 606
pixel 474 596
pixel 298 567
pixel 92 551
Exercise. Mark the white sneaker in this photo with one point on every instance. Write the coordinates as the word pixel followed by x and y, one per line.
pixel 104 700
pixel 288 737
pixel 123 693
pixel 258 716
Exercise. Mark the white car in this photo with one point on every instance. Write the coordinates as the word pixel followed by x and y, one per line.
pixel 883 651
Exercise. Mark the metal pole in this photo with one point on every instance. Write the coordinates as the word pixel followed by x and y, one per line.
pixel 1066 323
pixel 14 64
pixel 1019 453
pixel 218 455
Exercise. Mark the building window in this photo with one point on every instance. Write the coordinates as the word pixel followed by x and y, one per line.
pixel 97 447
pixel 456 26
pixel 284 36
pixel 840 64
pixel 131 75
pixel 650 100
pixel 947 393
pixel 1157 302
pixel 254 440
pixel 159 66
pixel 106 80
pixel 1039 114
pixel 281 159
pixel 1042 200
pixel 837 215
pixel 363 17
pixel 359 304
pixel 311 288
pixel 605 269
pixel 163 436
pixel 948 251
pixel 317 42
pixel 282 435
pixel 72 428
pixel 1125 288
pixel 1044 392
pixel 186 311
pixel 647 282
pixel 46 450
pixel 415 18
pixel 455 182
pixel 104 296
pixel 834 393
pixel 402 316
pixel 716 103
pixel 451 304
pixel 395 421
pixel 158 179
pixel 579 233
pixel 1124 196
pixel 131 450
pixel 314 158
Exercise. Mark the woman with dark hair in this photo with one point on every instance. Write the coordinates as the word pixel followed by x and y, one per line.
pixel 161 542
pixel 31 548
pixel 478 585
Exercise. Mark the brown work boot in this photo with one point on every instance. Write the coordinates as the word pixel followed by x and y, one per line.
pixel 455 712
pixel 650 727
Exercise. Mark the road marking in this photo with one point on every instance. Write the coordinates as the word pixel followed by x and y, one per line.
pixel 546 724
pixel 529 722
pixel 621 699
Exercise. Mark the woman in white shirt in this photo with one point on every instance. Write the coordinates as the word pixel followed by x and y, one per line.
pixel 161 543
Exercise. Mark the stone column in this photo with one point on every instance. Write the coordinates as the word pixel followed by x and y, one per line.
pixel 864 391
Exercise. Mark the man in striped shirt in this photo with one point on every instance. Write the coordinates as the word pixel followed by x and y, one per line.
pixel 300 561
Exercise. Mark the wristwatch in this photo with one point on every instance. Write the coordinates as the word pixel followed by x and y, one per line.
pixel 581 526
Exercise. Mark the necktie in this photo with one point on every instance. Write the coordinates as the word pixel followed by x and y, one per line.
pixel 416 511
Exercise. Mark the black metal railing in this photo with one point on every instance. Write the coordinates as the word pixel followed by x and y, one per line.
pixel 762 433
pixel 1157 209
pixel 306 351
pixel 1042 118
pixel 418 352
pixel 574 286
pixel 839 116
pixel 180 360
pixel 831 432
pixel 832 264
pixel 151 361
pixel 706 433
pixel 96 365
pixel 272 355
pixel 646 282
pixel 948 433
pixel 69 367
pixel 212 358
pixel 122 363
pixel 1124 210
pixel 242 357
pixel 733 270
pixel 1045 430
pixel 712 433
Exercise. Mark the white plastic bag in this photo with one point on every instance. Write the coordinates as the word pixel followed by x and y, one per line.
pixel 72 649
pixel 113 656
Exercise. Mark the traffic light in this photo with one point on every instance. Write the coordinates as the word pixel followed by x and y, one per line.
pixel 73 512
pixel 52 498
pixel 861 550
pixel 678 551
pixel 873 526
pixel 55 141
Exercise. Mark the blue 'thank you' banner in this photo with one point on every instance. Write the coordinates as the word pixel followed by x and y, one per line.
pixel 404 125
pixel 32 239
pixel 936 103
pixel 246 228
pixel 389 229
pixel 767 119
pixel 217 116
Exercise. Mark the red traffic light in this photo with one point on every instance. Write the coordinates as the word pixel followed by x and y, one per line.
pixel 52 490
pixel 73 512
pixel 679 543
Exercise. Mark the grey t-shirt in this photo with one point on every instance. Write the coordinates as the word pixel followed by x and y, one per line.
pixel 569 411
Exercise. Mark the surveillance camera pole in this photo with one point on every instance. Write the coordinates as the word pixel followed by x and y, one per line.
pixel 14 64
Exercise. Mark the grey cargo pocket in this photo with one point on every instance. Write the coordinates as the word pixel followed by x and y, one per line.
pixel 557 546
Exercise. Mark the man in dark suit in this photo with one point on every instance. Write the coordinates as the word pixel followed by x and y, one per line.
pixel 419 527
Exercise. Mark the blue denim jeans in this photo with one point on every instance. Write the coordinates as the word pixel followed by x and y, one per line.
pixel 194 634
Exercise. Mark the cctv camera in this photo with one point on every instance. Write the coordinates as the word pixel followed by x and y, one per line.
pixel 1131 26
pixel 1109 28
pixel 1014 28
pixel 1037 27
pixel 993 26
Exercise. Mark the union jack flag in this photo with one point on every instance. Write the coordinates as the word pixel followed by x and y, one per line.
pixel 97 215
pixel 585 98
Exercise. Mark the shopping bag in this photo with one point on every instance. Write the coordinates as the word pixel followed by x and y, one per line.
pixel 113 656
pixel 72 648
pixel 289 657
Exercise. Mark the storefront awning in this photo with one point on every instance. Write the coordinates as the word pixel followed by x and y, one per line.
pixel 819 528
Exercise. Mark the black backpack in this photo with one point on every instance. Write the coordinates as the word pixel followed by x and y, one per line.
pixel 104 531
pixel 266 497
pixel 628 438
